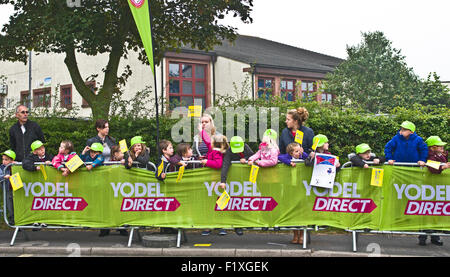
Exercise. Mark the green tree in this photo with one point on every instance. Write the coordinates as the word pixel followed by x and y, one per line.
pixel 107 26
pixel 376 77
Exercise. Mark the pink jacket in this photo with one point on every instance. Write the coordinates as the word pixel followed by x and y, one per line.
pixel 267 157
pixel 214 156
pixel 59 159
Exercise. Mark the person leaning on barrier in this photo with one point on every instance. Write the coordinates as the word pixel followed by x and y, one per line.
pixel 94 156
pixel 199 147
pixel 293 151
pixel 103 138
pixel 166 148
pixel 8 158
pixel 238 151
pixel 23 133
pixel 138 153
pixel 363 155
pixel 38 155
pixel 406 146
pixel 437 153
pixel 183 157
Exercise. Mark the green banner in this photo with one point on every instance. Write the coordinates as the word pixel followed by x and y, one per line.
pixel 111 196
pixel 141 15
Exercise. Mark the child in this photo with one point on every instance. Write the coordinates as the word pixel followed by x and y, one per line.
pixel 268 152
pixel 183 155
pixel 293 151
pixel 238 151
pixel 8 158
pixel 138 152
pixel 363 154
pixel 406 146
pixel 95 155
pixel 166 149
pixel 217 146
pixel 437 153
pixel 65 153
pixel 322 148
pixel 37 155
pixel 117 155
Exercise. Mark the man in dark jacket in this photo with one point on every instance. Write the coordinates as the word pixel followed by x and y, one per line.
pixel 23 133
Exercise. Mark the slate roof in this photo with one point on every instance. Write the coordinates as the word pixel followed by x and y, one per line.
pixel 267 53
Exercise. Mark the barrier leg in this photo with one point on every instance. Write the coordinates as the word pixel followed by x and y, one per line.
pixel 130 238
pixel 305 238
pixel 14 236
pixel 179 238
pixel 355 237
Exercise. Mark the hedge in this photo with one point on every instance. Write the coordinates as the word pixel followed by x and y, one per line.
pixel 344 128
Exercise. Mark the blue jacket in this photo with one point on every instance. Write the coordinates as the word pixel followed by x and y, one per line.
pixel 286 158
pixel 96 161
pixel 287 137
pixel 409 150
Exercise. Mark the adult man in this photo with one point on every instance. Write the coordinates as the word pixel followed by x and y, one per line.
pixel 23 133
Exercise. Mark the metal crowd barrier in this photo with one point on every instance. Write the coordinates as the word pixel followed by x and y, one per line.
pixel 355 233
pixel 23 228
pixel 275 228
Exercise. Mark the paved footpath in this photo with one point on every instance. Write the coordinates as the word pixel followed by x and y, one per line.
pixel 87 243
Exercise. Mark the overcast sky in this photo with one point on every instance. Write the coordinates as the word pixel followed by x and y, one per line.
pixel 420 29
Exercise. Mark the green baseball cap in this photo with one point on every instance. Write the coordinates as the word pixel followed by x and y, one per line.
pixel 271 134
pixel 36 144
pixel 10 154
pixel 408 125
pixel 320 140
pixel 434 140
pixel 362 148
pixel 237 144
pixel 136 139
pixel 97 147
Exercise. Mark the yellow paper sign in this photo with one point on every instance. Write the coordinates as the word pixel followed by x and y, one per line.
pixel 377 177
pixel 180 174
pixel 195 111
pixel 316 142
pixel 254 173
pixel 223 200
pixel 16 181
pixel 160 168
pixel 74 163
pixel 433 164
pixel 299 137
pixel 123 146
pixel 44 173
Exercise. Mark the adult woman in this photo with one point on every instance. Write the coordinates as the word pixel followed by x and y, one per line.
pixel 295 120
pixel 199 147
pixel 103 138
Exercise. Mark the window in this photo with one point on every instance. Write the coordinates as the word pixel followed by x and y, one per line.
pixel 288 90
pixel 265 87
pixel 187 83
pixel 327 97
pixel 25 98
pixel 66 96
pixel 92 86
pixel 308 87
pixel 42 97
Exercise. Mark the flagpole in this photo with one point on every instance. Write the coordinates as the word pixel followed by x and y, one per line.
pixel 155 84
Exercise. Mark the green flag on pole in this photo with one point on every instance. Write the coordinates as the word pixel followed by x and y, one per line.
pixel 141 14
